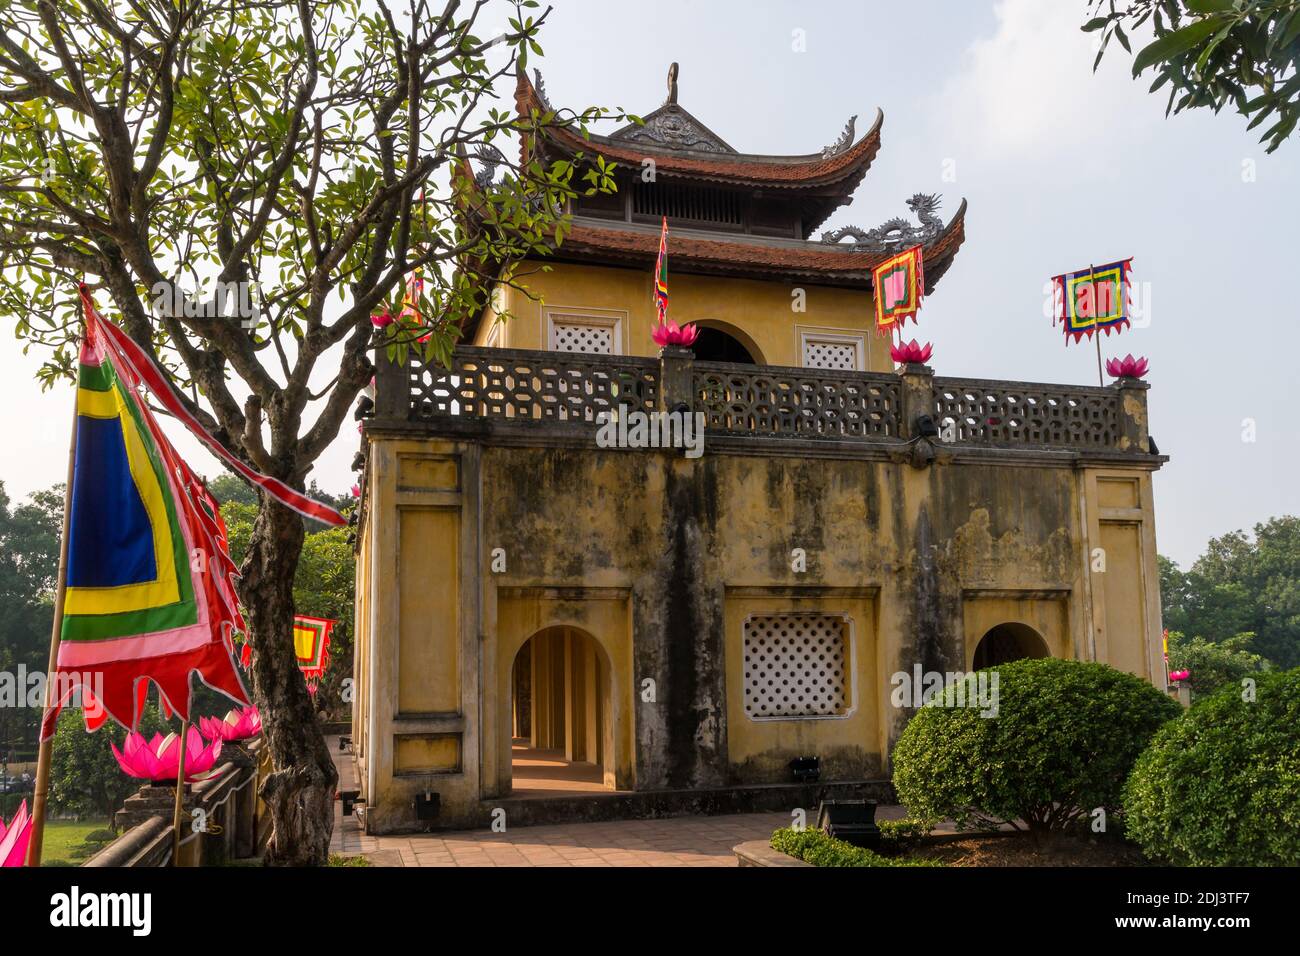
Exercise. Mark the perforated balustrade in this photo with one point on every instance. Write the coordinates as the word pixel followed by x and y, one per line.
pixel 768 400
pixel 758 400
pixel 1018 413
pixel 531 386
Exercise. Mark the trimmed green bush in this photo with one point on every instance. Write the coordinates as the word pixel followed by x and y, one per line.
pixel 815 847
pixel 1220 786
pixel 1063 741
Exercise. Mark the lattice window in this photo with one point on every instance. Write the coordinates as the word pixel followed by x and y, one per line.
pixel 581 337
pixel 839 354
pixel 796 665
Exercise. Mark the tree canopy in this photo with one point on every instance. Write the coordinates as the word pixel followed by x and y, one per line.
pixel 1242 584
pixel 1214 53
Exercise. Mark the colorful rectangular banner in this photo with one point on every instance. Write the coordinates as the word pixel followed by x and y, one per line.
pixel 311 643
pixel 899 284
pixel 1093 299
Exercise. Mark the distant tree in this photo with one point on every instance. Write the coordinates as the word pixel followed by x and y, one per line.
pixel 324 586
pixel 1211 53
pixel 1213 665
pixel 1242 583
pixel 29 559
pixel 228 488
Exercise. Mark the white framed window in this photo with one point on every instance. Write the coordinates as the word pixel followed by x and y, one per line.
pixel 796 666
pixel 581 332
pixel 833 350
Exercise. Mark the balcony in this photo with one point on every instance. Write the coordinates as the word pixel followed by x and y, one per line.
pixel 524 396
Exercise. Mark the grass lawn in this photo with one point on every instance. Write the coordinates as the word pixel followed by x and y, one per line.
pixel 62 837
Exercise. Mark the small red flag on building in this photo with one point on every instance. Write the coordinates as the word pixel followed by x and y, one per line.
pixel 661 275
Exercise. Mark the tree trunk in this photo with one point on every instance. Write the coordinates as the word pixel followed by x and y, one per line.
pixel 300 790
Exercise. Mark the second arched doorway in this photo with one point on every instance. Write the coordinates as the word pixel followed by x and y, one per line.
pixel 1007 642
pixel 562 736
pixel 714 344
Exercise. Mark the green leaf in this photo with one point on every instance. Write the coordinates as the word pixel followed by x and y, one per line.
pixel 1172 44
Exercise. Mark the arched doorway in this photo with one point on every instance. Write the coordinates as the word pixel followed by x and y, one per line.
pixel 561 733
pixel 715 345
pixel 1008 642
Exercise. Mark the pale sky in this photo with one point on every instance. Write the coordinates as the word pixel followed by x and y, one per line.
pixel 996 103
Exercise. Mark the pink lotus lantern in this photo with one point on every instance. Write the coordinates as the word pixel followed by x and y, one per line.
pixel 910 353
pixel 239 724
pixel 670 333
pixel 1127 367
pixel 158 760
pixel 382 320
pixel 356 491
pixel 1177 676
pixel 15 837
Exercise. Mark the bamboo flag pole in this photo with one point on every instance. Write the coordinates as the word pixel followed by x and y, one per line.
pixel 1096 333
pixel 40 796
pixel 178 808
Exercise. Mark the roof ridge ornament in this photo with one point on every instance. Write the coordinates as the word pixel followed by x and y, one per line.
pixel 540 86
pixel 672 85
pixel 897 233
pixel 845 140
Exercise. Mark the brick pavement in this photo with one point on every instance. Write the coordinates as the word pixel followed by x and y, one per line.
pixel 672 841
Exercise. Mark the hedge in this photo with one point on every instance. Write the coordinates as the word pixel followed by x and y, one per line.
pixel 816 847
pixel 1064 739
pixel 1220 786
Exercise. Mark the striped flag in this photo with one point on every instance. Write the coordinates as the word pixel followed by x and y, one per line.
pixel 149 592
pixel 661 275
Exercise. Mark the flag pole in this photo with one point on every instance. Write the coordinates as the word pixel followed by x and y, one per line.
pixel 178 809
pixel 41 794
pixel 1096 334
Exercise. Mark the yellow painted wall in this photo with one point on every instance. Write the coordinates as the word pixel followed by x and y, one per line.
pixel 758 313
pixel 592 538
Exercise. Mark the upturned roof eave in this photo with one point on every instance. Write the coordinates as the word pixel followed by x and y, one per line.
pixel 790 173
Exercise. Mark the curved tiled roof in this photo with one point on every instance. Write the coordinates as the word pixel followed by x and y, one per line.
pixel 823 262
pixel 843 170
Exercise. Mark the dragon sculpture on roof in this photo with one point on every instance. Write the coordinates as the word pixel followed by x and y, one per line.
pixel 896 233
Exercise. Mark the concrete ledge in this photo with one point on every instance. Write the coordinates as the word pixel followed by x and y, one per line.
pixel 145 845
pixel 647 804
pixel 760 853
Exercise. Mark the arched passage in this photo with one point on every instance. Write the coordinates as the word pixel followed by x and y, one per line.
pixel 561 725
pixel 1011 641
pixel 719 343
